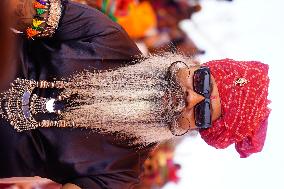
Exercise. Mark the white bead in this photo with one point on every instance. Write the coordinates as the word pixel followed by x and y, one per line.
pixel 50 105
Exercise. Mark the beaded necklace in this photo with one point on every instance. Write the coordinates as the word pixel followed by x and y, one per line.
pixel 20 104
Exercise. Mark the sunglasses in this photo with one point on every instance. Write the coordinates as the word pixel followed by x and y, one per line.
pixel 202 110
pixel 201 85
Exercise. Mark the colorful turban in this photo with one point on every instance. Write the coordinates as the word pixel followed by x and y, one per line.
pixel 243 89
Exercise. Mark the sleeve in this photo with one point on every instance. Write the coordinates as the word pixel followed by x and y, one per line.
pixel 85 39
pixel 97 36
pixel 120 180
pixel 90 160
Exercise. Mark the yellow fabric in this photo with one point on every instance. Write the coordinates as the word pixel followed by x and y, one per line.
pixel 37 23
pixel 140 19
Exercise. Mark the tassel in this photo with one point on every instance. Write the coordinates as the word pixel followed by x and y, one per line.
pixel 31 33
pixel 40 11
pixel 43 2
pixel 37 23
pixel 38 5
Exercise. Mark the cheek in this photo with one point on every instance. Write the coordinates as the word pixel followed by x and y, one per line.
pixel 215 102
pixel 216 109
pixel 185 79
pixel 213 97
pixel 188 82
pixel 186 119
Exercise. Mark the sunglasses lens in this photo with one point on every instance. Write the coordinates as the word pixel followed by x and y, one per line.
pixel 203 115
pixel 201 81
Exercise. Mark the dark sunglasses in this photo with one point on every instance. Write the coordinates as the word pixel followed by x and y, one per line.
pixel 202 111
pixel 201 85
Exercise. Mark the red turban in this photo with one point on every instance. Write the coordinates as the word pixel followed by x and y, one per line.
pixel 243 89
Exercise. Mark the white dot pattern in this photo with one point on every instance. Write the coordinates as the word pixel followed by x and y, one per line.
pixel 244 107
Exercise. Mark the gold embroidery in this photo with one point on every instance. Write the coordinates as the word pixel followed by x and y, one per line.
pixel 241 81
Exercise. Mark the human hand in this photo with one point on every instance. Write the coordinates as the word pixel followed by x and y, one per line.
pixel 70 186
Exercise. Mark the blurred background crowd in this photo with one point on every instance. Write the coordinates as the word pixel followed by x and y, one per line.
pixel 153 24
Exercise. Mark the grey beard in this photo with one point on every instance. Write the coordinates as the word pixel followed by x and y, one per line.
pixel 128 101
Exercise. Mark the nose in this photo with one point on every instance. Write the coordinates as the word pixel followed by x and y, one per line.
pixel 193 98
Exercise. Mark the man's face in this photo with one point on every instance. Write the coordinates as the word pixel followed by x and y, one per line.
pixel 186 119
pixel 138 101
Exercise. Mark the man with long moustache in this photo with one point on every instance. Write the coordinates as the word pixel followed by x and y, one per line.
pixel 88 108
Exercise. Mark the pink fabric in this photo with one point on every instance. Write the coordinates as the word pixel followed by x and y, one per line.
pixel 254 143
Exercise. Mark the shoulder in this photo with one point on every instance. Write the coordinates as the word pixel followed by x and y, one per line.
pixel 79 19
pixel 88 28
pixel 93 160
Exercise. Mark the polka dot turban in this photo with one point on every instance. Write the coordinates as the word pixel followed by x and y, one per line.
pixel 243 89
